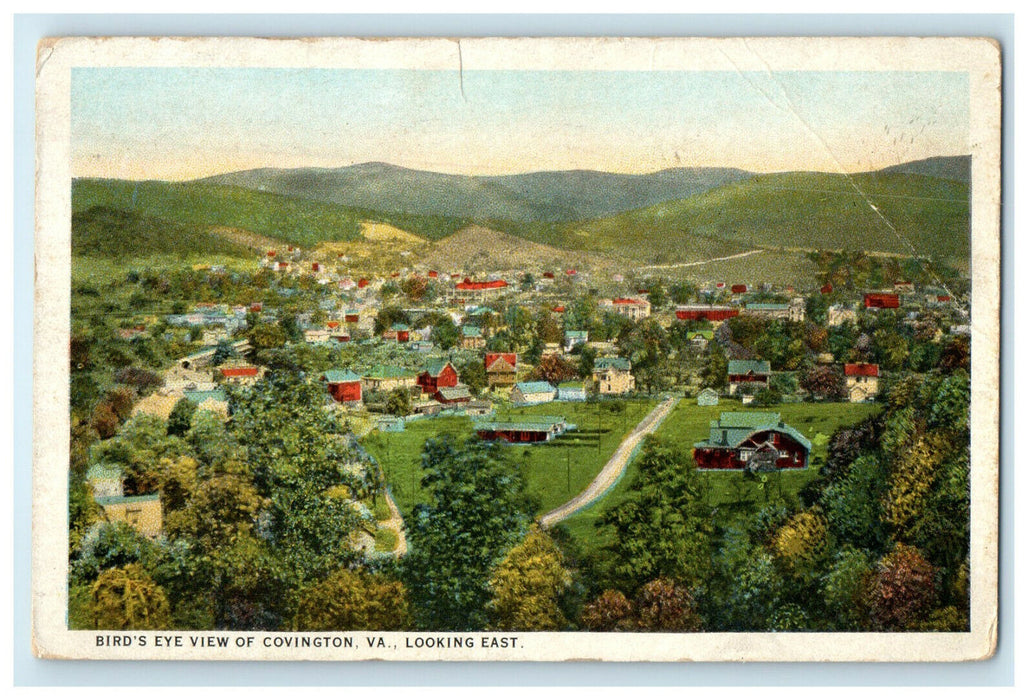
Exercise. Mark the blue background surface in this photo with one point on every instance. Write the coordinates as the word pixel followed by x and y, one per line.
pixel 29 671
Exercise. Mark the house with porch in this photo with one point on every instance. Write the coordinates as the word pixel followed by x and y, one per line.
pixel 501 369
pixel 754 441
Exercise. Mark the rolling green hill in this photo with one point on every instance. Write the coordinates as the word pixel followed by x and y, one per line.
pixel 102 231
pixel 203 206
pixel 897 213
pixel 919 215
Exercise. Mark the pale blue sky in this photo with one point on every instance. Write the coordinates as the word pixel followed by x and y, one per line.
pixel 178 123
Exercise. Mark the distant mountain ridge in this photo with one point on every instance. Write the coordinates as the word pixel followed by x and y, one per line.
pixel 945 167
pixel 547 196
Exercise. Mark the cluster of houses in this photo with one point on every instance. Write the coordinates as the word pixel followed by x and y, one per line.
pixel 437 384
pixel 348 309
pixel 861 380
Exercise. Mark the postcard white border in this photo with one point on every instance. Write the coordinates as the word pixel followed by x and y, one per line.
pixel 980 58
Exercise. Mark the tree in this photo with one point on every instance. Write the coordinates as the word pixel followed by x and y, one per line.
pixel 844 588
pixel 824 382
pixel 554 369
pixel 852 504
pixel 353 600
pixel 139 379
pixel 611 611
pixel 902 589
pixel 301 470
pixel 661 529
pixel 474 376
pixel 715 373
pixel 128 599
pixel 444 333
pixel 398 402
pixel 528 584
pixel 265 336
pixel 180 417
pixel 414 287
pixel 665 606
pixel 139 447
pixel 801 544
pixel 477 512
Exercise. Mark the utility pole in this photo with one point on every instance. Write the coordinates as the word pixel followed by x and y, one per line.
pixel 569 470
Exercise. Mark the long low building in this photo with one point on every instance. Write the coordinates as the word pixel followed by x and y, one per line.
pixel 535 429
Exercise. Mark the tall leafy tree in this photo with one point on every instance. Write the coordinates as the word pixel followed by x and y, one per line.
pixel 528 584
pixel 127 598
pixel 662 528
pixel 477 512
pixel 353 600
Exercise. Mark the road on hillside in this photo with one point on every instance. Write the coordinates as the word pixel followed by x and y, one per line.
pixel 615 466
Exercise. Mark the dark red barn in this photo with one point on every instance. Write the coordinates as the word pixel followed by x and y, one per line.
pixel 438 375
pixel 881 301
pixel 344 386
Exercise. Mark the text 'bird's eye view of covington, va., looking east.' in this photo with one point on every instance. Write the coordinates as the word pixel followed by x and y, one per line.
pixel 542 351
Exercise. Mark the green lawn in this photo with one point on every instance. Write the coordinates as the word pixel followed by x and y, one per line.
pixel 555 471
pixel 733 496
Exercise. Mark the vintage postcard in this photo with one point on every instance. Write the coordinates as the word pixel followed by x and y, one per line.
pixel 517 349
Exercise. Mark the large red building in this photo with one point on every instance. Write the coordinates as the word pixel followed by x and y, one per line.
pixel 881 301
pixel 705 313
pixel 749 440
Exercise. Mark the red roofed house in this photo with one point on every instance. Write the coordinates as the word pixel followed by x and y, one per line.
pixel 826 289
pixel 363 282
pixel 881 301
pixel 437 375
pixel 739 289
pixel 240 376
pixel 501 368
pixel 633 309
pixel 432 274
pixel 480 290
pixel 862 381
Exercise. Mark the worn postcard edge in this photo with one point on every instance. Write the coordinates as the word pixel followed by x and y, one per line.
pixel 57 57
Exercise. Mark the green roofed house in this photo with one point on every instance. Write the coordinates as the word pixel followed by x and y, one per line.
pixel 143 513
pixel 533 429
pixel 708 397
pixel 753 441
pixel 572 339
pixel 753 373
pixel 613 376
pixel 571 391
pixel 105 480
pixel 344 386
pixel 530 393
pixel 214 401
pixel 699 339
pixel 471 338
pixel 386 378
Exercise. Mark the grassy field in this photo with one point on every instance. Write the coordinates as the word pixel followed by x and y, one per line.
pixel 733 496
pixel 579 454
